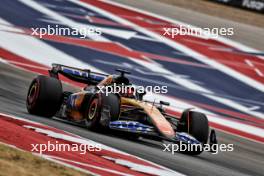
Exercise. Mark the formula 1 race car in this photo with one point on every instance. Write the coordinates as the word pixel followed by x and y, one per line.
pixel 126 112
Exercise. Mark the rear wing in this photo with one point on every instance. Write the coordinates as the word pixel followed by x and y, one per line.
pixel 85 76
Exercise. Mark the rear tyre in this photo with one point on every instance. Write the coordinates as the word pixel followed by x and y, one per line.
pixel 44 96
pixel 196 124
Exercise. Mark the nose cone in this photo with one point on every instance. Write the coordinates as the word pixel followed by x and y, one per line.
pixel 161 123
pixel 168 133
pixel 165 128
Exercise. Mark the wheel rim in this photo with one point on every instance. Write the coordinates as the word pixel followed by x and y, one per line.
pixel 93 109
pixel 32 93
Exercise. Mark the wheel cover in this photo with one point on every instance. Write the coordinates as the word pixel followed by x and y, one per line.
pixel 93 109
pixel 32 93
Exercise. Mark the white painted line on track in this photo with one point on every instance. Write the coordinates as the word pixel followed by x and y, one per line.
pixel 259 72
pixel 137 167
pixel 47 157
pixel 249 63
pixel 87 165
pixel 254 68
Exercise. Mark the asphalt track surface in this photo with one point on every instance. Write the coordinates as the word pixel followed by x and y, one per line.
pixel 246 159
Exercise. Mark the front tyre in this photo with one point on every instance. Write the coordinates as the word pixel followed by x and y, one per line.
pixel 196 124
pixel 92 113
pixel 44 96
